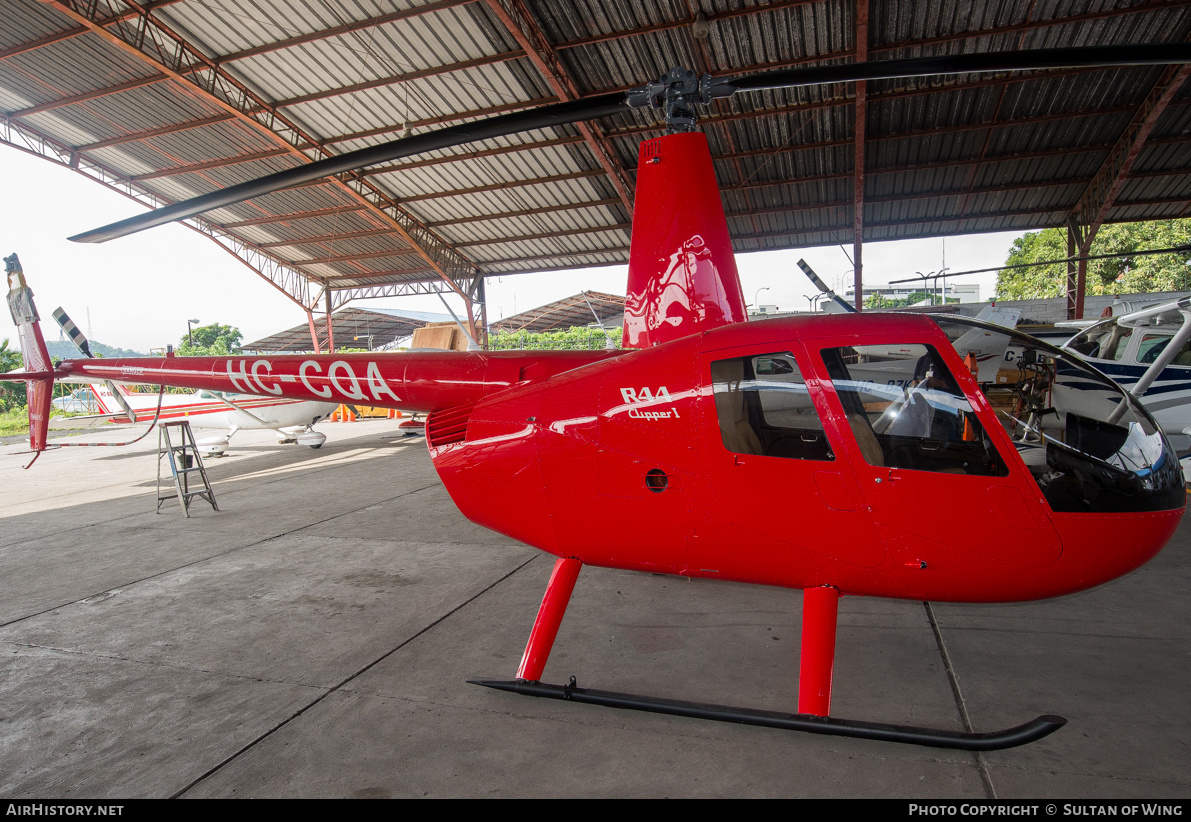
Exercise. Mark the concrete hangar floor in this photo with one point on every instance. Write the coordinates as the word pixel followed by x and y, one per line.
pixel 313 638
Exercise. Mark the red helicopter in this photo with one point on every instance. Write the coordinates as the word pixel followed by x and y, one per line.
pixel 843 455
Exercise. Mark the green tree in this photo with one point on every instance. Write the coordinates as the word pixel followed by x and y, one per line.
pixel 12 394
pixel 1121 275
pixel 579 337
pixel 213 340
pixel 880 301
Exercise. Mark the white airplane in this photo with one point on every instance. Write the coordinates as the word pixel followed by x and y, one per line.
pixel 1148 351
pixel 291 419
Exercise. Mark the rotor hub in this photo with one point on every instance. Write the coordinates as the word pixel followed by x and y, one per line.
pixel 676 92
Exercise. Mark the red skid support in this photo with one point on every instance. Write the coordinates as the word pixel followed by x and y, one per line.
pixel 545 627
pixel 820 606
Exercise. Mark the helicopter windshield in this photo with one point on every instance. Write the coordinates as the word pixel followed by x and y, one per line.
pixel 1090 446
pixel 906 410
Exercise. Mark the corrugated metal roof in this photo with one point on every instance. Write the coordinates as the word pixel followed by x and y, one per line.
pixel 355 327
pixel 215 94
pixel 584 308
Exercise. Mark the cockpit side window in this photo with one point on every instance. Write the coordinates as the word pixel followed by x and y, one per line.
pixel 907 411
pixel 764 408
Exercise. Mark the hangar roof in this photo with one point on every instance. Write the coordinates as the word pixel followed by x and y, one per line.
pixel 167 99
pixel 354 327
pixel 567 313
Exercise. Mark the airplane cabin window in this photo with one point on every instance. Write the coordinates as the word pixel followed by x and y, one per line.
pixel 764 408
pixel 1152 346
pixel 906 410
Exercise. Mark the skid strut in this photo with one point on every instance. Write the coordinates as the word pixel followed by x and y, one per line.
pixel 820 607
pixel 545 627
pixel 819 611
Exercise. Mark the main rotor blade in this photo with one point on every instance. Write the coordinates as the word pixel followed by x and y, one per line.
pixel 544 117
pixel 607 104
pixel 1088 57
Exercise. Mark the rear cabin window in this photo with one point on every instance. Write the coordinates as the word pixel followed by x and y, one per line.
pixel 1152 346
pixel 764 408
pixel 906 410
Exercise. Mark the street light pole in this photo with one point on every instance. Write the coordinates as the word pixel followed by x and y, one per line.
pixel 757 298
pixel 189 337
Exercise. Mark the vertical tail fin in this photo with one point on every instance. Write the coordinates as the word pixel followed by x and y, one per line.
pixel 682 272
pixel 38 390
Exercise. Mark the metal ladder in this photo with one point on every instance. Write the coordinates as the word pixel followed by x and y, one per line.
pixel 184 460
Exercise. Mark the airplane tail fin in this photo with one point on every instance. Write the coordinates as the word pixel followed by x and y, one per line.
pixel 39 369
pixel 682 272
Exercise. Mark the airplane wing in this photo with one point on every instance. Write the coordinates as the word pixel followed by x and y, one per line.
pixel 253 419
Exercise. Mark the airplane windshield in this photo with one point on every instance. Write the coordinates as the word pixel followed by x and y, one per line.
pixel 1090 446
pixel 1105 341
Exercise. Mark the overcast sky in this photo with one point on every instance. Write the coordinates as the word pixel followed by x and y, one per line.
pixel 139 291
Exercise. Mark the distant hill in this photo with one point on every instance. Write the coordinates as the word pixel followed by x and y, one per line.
pixel 65 350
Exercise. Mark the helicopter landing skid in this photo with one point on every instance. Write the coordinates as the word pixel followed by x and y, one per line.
pixel 962 740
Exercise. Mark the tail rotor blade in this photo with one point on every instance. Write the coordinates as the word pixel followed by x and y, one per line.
pixel 39 368
pixel 72 331
pixel 80 342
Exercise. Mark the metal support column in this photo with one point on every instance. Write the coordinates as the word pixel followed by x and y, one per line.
pixel 858 156
pixel 330 328
pixel 313 331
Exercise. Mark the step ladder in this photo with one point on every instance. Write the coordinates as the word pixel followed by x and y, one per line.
pixel 176 442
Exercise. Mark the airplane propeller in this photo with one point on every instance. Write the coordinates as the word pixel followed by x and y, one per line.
pixel 676 92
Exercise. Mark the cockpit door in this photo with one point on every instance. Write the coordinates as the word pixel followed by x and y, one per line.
pixel 931 461
pixel 778 495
